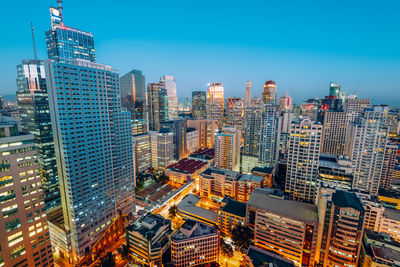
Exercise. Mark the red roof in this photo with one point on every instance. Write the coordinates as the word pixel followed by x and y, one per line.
pixel 186 165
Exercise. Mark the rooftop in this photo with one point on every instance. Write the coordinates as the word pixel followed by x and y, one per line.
pixel 380 237
pixel 188 205
pixel 263 170
pixel 186 165
pixel 193 229
pixel 249 177
pixel 389 254
pixel 261 258
pixel 392 214
pixel 222 171
pixel 346 199
pixel 204 153
pixel 267 200
pixel 148 226
pixel 234 207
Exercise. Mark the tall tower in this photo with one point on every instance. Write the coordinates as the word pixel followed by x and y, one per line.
pixel 227 149
pixel 93 141
pixel 247 99
pixel 33 107
pixel 24 234
pixel 334 133
pixel 252 127
pixel 302 162
pixel 234 112
pixel 170 85
pixel 157 105
pixel 162 148
pixel 270 136
pixel 215 101
pixel 285 103
pixel 366 144
pixel 66 42
pixel 199 105
pixel 133 98
pixel 269 93
pixel 334 90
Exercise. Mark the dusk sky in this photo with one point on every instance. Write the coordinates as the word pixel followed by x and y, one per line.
pixel 302 45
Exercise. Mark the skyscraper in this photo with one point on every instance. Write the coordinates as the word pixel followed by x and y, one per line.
pixel 227 148
pixel 247 99
pixel 334 90
pixel 162 148
pixel 302 163
pixel 388 165
pixel 33 106
pixel 206 131
pixel 170 85
pixel 178 128
pixel 24 237
pixel 270 136
pixel 234 112
pixel 335 131
pixel 269 93
pixel 285 103
pixel 93 141
pixel 157 105
pixel 66 42
pixel 199 105
pixel 133 98
pixel 142 151
pixel 366 144
pixel 215 101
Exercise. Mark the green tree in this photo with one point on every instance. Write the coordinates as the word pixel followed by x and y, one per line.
pixel 172 212
pixel 107 261
pixel 242 237
pixel 124 251
pixel 226 249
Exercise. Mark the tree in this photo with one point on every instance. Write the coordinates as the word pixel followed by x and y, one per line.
pixel 124 251
pixel 226 249
pixel 172 212
pixel 107 261
pixel 242 237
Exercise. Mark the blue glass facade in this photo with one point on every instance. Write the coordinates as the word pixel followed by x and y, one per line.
pixel 93 147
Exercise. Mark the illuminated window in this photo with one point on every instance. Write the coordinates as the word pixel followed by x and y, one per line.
pixel 18 251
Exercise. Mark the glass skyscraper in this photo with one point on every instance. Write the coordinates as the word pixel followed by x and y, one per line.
pixel 199 105
pixel 33 107
pixel 157 105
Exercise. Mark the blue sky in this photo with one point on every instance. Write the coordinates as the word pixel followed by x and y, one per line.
pixel 302 45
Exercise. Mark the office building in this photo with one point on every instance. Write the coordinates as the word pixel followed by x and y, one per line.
pixel 334 132
pixel 246 184
pixel 231 215
pixel 142 151
pixel 270 136
pixel 133 98
pixel 247 98
pixel 162 149
pixel 367 139
pixel 192 140
pixel 310 109
pixel 24 238
pixel 157 100
pixel 199 105
pixel 285 227
pixel 285 103
pixel 334 90
pixel 66 42
pixel 94 148
pixel 356 105
pixel 170 85
pixel 218 182
pixel 389 162
pixel 195 243
pixel 148 239
pixel 33 107
pixel 335 171
pixel 178 128
pixel 206 131
pixel 227 148
pixel 215 102
pixel 234 112
pixel 269 93
pixel 302 162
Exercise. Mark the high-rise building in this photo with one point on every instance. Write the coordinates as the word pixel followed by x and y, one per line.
pixel 142 151
pixel 162 148
pixel 218 182
pixel 66 42
pixel 192 140
pixel 302 163
pixel 234 112
pixel 33 106
pixel 195 243
pixel 178 128
pixel 157 105
pixel 227 148
pixel 285 102
pixel 356 105
pixel 334 132
pixel 247 99
pixel 215 101
pixel 286 118
pixel 269 93
pixel 93 141
pixel 366 145
pixel 334 90
pixel 133 98
pixel 170 85
pixel 335 171
pixel 207 130
pixel 388 165
pixel 199 105
pixel 24 238
pixel 270 135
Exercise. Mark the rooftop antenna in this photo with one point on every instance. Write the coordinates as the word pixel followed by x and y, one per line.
pixel 60 9
pixel 33 42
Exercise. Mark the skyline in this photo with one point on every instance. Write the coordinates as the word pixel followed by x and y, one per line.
pixel 300 55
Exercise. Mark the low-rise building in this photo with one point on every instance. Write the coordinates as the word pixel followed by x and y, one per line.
pixel 218 182
pixel 195 243
pixel 246 184
pixel 204 154
pixel 267 173
pixel 257 257
pixel 231 215
pixel 185 170
pixel 148 238
pixel 188 209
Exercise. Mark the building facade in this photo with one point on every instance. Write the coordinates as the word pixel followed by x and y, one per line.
pixel 269 93
pixel 234 112
pixel 247 98
pixel 162 149
pixel 206 131
pixel 142 151
pixel 178 128
pixel 157 99
pixel 218 182
pixel 170 85
pixel 335 131
pixel 192 140
pixel 227 149
pixel 215 102
pixel 270 136
pixel 199 105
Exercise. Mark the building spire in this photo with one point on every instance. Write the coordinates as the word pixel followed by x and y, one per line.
pixel 60 9
pixel 33 42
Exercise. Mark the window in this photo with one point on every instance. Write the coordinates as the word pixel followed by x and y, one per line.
pixel 12 225
pixel 18 251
